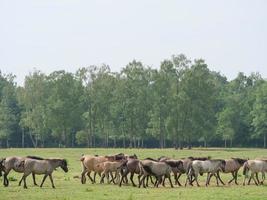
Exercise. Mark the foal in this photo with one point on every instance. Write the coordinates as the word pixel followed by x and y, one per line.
pixel 45 167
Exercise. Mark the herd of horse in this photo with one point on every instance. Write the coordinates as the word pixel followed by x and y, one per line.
pixel 116 168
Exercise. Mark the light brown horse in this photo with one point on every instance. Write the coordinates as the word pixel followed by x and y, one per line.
pixel 13 163
pixel 90 164
pixel 46 167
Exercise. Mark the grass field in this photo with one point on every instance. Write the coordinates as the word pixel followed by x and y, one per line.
pixel 68 187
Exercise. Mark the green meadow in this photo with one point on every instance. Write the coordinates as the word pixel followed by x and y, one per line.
pixel 68 185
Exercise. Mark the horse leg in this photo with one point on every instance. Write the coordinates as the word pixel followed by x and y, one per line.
pixel 20 181
pixel 24 180
pixel 177 179
pixel 233 174
pixel 236 172
pixel 43 180
pixel 131 178
pixel 217 181
pixel 196 175
pixel 102 178
pixel 263 177
pixel 244 180
pixel 95 176
pixel 147 180
pixel 83 178
pixel 51 179
pixel 188 180
pixel 211 175
pixel 257 178
pixel 116 175
pixel 158 181
pixel 219 177
pixel 163 181
pixel 89 176
pixel 255 181
pixel 33 178
pixel 142 181
pixel 169 177
pixel 208 177
pixel 139 178
pixel 6 181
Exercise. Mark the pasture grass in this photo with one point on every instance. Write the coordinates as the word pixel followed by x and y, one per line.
pixel 69 187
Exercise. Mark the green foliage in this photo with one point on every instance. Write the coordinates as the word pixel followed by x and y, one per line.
pixel 182 103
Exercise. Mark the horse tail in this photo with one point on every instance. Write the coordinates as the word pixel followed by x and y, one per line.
pixel 82 158
pixel 245 168
pixel 189 168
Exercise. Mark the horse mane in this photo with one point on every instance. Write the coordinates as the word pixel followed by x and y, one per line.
pixel 240 160
pixel 199 158
pixel 35 157
pixel 133 156
pixel 151 159
pixel 173 163
pixel 163 157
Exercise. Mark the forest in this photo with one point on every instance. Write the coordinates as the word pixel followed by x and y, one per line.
pixel 181 104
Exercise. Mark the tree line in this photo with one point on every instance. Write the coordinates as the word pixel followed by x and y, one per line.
pixel 181 104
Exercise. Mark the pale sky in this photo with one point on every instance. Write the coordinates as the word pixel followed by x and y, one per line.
pixel 231 35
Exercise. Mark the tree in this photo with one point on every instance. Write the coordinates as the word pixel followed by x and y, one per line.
pixel 259 113
pixel 9 111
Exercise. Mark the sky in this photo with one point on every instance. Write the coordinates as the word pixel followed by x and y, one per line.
pixel 49 35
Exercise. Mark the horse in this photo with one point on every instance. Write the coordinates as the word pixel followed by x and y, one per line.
pixel 255 166
pixel 91 163
pixel 46 167
pixel 132 166
pixel 212 167
pixel 109 167
pixel 183 169
pixel 157 169
pixel 232 166
pixel 13 162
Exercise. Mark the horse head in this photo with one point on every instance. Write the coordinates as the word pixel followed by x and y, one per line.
pixel 64 165
pixel 222 165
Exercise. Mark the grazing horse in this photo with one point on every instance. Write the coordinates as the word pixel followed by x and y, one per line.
pixel 255 166
pixel 46 167
pixel 157 169
pixel 14 162
pixel 212 167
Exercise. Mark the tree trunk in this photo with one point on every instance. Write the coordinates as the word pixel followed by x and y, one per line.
pixel 22 138
pixel 32 139
pixel 123 141
pixel 114 143
pixel 264 141
pixel 225 144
